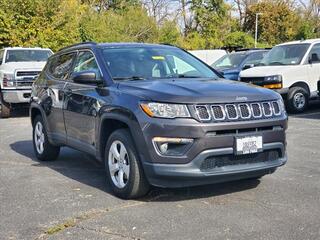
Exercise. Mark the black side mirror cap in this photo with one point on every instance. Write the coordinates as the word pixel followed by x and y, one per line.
pixel 86 77
pixel 314 58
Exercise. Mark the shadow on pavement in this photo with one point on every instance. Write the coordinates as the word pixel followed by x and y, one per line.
pixel 19 112
pixel 85 169
pixel 313 111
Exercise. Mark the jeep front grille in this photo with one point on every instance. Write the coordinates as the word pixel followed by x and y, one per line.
pixel 238 111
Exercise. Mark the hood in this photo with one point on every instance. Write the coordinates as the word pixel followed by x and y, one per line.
pixel 263 71
pixel 12 66
pixel 197 91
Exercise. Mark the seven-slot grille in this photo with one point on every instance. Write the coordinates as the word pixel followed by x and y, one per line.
pixel 238 111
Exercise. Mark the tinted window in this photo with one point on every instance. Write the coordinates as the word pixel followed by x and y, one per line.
pixel 153 63
pixel 315 50
pixel 27 55
pixel 86 62
pixel 255 58
pixel 231 60
pixel 61 65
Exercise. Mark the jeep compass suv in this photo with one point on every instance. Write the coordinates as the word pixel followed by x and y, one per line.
pixel 155 115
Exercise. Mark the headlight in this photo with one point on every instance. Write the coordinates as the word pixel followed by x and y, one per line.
pixel 275 78
pixel 8 80
pixel 165 110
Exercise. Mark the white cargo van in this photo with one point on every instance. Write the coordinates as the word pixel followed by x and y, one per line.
pixel 292 69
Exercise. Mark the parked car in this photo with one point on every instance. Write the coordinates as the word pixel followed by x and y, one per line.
pixel 292 69
pixel 18 69
pixel 138 110
pixel 209 56
pixel 231 64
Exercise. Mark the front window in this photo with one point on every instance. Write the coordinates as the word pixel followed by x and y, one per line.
pixel 290 54
pixel 27 55
pixel 232 60
pixel 138 63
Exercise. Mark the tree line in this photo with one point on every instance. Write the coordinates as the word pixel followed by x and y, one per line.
pixel 191 24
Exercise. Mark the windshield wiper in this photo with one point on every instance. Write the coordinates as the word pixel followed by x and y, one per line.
pixel 276 63
pixel 182 76
pixel 132 78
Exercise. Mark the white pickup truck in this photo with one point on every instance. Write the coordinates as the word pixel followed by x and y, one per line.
pixel 18 69
pixel 292 69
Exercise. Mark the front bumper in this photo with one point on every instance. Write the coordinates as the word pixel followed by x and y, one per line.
pixel 210 139
pixel 191 174
pixel 16 95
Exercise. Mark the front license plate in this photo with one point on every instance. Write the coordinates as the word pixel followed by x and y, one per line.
pixel 247 145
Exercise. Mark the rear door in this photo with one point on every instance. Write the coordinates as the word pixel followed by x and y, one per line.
pixel 81 105
pixel 53 94
pixel 314 70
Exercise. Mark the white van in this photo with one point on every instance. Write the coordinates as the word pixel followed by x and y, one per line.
pixel 292 69
pixel 209 56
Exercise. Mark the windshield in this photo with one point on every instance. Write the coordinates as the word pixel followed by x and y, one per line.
pixel 27 55
pixel 232 60
pixel 138 63
pixel 290 54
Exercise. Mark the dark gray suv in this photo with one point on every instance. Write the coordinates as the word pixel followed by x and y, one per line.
pixel 155 115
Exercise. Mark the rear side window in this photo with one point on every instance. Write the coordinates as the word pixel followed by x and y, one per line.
pixel 60 66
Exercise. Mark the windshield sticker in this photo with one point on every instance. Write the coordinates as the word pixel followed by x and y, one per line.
pixel 157 57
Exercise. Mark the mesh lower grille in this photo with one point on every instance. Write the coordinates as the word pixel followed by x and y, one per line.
pixel 231 159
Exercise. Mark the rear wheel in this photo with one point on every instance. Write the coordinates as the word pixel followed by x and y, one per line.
pixel 298 99
pixel 43 149
pixel 123 168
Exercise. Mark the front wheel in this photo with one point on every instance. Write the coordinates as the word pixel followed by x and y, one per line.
pixel 43 149
pixel 5 110
pixel 123 168
pixel 298 99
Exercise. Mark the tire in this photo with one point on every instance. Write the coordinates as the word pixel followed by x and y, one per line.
pixel 5 110
pixel 43 149
pixel 298 99
pixel 124 173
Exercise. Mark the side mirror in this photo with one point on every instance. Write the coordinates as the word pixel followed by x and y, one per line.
pixel 86 77
pixel 247 66
pixel 314 58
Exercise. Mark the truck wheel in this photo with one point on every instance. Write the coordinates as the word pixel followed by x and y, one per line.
pixel 43 149
pixel 5 110
pixel 298 99
pixel 123 168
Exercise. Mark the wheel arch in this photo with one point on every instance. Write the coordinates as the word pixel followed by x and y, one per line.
pixel 109 123
pixel 301 84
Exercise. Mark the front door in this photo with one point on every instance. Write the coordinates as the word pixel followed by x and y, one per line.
pixel 314 70
pixel 81 106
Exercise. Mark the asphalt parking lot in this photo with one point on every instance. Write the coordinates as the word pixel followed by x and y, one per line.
pixel 67 199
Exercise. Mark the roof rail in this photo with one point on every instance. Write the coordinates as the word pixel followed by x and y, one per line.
pixel 78 44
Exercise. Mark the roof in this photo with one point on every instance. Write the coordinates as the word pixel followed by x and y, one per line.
pixel 310 41
pixel 26 48
pixel 111 45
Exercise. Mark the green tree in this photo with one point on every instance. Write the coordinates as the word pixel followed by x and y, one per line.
pixel 239 39
pixel 277 22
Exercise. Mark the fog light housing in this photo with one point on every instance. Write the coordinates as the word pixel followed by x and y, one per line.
pixel 171 146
